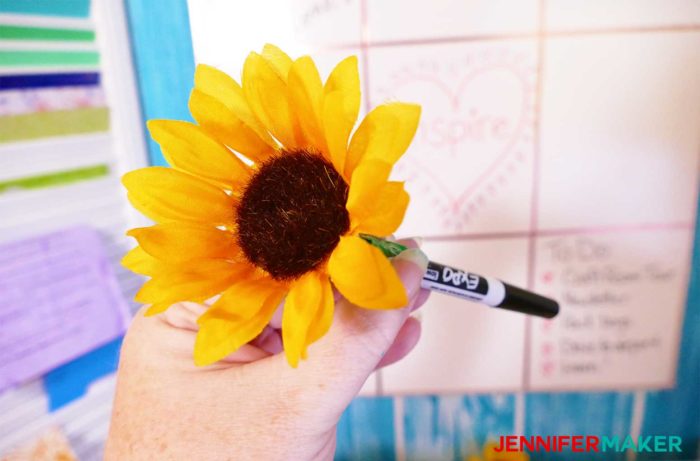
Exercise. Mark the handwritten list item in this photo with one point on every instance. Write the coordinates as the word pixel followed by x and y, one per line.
pixel 59 299
pixel 623 299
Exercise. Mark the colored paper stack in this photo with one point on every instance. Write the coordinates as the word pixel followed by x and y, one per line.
pixel 50 87
pixel 69 125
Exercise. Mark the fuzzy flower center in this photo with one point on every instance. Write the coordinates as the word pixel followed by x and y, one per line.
pixel 292 214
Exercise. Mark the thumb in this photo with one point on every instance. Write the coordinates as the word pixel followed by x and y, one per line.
pixel 343 359
pixel 364 335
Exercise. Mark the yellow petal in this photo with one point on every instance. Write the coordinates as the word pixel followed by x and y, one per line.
pixel 367 181
pixel 227 91
pixel 243 299
pixel 197 282
pixel 321 322
pixel 157 308
pixel 278 59
pixel 186 147
pixel 266 93
pixel 338 122
pixel 307 300
pixel 384 134
pixel 164 194
pixel 222 331
pixel 389 209
pixel 219 84
pixel 227 127
pixel 180 242
pixel 140 262
pixel 365 276
pixel 306 96
pixel 341 104
pixel 345 77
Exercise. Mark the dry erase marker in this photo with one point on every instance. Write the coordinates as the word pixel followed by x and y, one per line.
pixel 467 285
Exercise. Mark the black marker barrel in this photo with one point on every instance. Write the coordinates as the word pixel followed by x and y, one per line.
pixel 486 290
pixel 527 302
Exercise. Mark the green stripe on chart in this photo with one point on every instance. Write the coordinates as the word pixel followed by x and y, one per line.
pixel 44 33
pixel 49 58
pixel 58 123
pixel 55 179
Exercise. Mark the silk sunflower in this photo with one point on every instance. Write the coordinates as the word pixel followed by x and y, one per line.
pixel 266 198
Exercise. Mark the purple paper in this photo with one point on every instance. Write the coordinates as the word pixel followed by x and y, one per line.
pixel 59 299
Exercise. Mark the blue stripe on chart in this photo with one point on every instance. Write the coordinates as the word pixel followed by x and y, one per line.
pixel 164 61
pixel 67 8
pixel 677 411
pixel 12 82
pixel 366 431
pixel 605 413
pixel 455 427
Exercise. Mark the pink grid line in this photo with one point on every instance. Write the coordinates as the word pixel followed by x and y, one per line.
pixel 365 42
pixel 534 194
pixel 652 226
pixel 364 52
pixel 565 231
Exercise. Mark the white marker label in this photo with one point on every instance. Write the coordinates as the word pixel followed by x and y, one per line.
pixel 463 284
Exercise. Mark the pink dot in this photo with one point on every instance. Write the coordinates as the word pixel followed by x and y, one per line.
pixel 547 368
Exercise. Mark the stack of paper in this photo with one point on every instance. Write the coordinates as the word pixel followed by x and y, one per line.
pixel 69 126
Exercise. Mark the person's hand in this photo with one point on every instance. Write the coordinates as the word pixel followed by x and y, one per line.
pixel 252 405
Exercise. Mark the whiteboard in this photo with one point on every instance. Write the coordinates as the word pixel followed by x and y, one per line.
pixel 556 151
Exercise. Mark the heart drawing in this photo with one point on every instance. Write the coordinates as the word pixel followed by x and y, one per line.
pixel 475 135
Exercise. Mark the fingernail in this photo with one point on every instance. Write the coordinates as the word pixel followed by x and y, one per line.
pixel 410 266
pixel 276 320
pixel 415 256
pixel 413 242
pixel 418 240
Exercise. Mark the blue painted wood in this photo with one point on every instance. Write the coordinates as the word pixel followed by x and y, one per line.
pixel 677 412
pixel 608 414
pixel 164 60
pixel 454 427
pixel 366 431
pixel 66 8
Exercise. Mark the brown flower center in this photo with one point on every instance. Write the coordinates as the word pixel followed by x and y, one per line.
pixel 292 214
